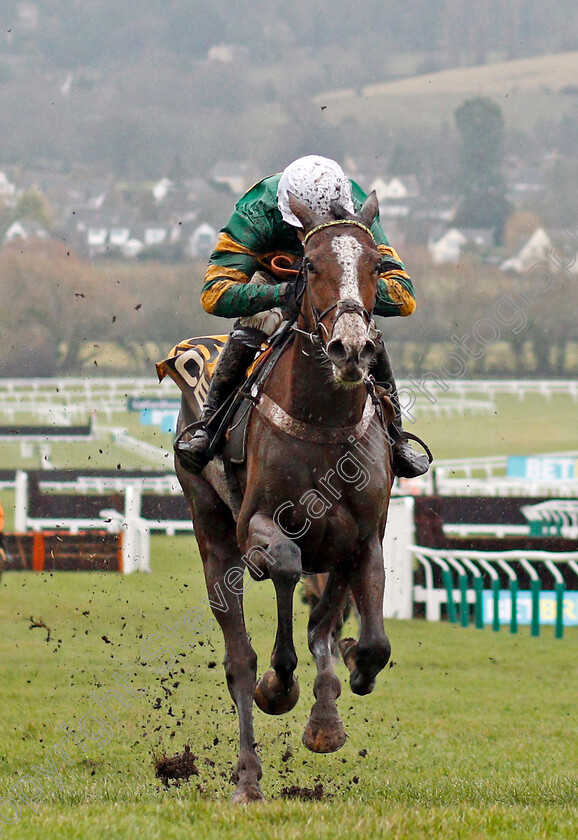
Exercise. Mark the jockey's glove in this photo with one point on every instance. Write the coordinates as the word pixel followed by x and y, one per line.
pixel 287 297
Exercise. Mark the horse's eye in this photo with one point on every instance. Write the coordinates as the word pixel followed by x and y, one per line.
pixel 309 266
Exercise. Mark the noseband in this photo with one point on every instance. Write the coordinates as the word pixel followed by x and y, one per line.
pixel 343 306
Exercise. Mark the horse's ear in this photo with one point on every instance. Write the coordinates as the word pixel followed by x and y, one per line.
pixel 304 213
pixel 369 210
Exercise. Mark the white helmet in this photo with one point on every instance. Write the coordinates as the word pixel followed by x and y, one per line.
pixel 317 181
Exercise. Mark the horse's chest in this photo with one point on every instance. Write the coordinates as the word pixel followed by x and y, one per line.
pixel 326 513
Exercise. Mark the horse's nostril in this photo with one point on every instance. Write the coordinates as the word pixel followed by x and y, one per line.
pixel 368 351
pixel 336 351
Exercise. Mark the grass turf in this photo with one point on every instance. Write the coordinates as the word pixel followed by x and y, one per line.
pixel 468 734
pixel 517 427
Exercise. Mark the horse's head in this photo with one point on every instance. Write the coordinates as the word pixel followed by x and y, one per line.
pixel 341 268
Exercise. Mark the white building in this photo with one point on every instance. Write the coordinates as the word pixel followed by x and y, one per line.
pixel 448 248
pixel 534 250
pixel 202 242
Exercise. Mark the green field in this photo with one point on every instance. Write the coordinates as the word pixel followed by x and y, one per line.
pixel 517 427
pixel 469 734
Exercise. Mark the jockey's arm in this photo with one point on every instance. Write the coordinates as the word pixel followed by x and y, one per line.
pixel 395 295
pixel 249 237
pixel 228 293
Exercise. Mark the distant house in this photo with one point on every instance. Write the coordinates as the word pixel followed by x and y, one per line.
pixel 448 248
pixel 154 235
pixel 396 197
pixel 7 189
pixel 25 229
pixel 118 236
pixel 236 176
pixel 479 240
pixel 395 188
pixel 202 242
pixel 96 240
pixel 534 250
pixel 132 247
pixel 161 189
pixel 142 237
pixel 95 194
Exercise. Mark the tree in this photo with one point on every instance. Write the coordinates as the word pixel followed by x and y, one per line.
pixel 54 306
pixel 480 124
pixel 33 205
pixel 482 184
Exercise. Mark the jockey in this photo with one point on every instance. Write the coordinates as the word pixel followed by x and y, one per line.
pixel 239 284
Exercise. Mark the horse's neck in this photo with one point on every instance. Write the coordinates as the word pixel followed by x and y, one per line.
pixel 302 384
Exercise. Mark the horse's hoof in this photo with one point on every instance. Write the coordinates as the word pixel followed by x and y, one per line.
pixel 324 736
pixel 245 794
pixel 360 685
pixel 272 698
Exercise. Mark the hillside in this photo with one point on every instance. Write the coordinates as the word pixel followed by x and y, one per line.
pixel 541 74
pixel 529 91
pixel 96 83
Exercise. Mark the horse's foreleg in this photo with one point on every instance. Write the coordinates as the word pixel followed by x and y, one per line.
pixel 371 653
pixel 324 731
pixel 241 674
pixel 277 691
pixel 215 532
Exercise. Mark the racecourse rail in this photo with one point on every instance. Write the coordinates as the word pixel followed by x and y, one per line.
pixel 451 583
pixel 406 589
pixel 475 566
pixel 63 401
pixel 71 396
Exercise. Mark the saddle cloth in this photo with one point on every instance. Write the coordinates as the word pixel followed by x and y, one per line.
pixel 191 364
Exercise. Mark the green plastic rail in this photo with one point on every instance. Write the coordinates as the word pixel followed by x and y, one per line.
pixel 514 596
pixel 496 603
pixel 464 609
pixel 479 602
pixel 559 633
pixel 449 585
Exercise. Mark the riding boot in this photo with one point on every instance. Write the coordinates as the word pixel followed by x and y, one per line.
pixel 407 463
pixel 236 357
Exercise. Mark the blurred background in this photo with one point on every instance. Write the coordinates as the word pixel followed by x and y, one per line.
pixel 128 132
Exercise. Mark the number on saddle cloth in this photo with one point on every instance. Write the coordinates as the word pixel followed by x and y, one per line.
pixel 191 365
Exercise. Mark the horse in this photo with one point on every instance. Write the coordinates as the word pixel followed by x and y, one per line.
pixel 316 486
pixel 312 592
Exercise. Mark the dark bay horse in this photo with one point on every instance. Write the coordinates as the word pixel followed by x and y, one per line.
pixel 316 484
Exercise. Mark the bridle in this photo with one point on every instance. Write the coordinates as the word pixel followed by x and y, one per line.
pixel 343 306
